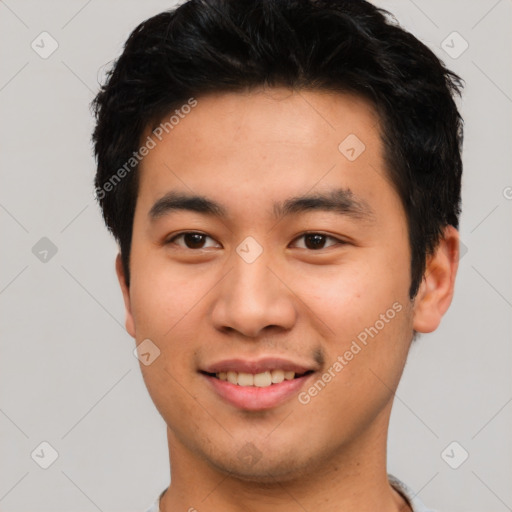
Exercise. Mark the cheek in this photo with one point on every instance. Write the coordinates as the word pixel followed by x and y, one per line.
pixel 163 296
pixel 364 312
pixel 165 382
pixel 349 297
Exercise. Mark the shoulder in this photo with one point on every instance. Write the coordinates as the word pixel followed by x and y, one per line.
pixel 155 507
pixel 415 503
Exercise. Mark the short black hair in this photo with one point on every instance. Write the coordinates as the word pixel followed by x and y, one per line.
pixel 206 46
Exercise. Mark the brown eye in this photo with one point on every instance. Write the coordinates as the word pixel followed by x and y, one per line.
pixel 192 240
pixel 316 241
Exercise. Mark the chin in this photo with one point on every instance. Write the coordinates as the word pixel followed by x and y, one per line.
pixel 263 471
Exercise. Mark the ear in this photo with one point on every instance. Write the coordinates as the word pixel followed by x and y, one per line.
pixel 436 290
pixel 129 323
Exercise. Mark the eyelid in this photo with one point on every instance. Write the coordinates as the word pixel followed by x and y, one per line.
pixel 171 239
pixel 339 241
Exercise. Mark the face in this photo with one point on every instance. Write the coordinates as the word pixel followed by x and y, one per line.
pixel 268 241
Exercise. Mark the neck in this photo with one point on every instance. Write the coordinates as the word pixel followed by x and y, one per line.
pixel 352 478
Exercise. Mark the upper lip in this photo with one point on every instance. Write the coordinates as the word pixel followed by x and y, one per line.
pixel 256 366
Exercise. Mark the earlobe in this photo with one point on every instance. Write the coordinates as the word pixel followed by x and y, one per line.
pixel 129 323
pixel 436 290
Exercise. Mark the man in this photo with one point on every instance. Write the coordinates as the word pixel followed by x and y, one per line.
pixel 283 180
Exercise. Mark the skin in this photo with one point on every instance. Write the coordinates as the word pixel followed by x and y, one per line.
pixel 247 151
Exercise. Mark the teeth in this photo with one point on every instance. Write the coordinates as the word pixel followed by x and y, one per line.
pixel 260 380
pixel 277 376
pixel 245 379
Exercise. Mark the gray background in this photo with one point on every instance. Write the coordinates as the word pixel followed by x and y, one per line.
pixel 67 372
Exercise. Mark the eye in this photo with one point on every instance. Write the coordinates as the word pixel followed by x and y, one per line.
pixel 192 240
pixel 316 241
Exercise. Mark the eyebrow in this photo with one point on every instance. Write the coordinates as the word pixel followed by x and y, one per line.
pixel 341 201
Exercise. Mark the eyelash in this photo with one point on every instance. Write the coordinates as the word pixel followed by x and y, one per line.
pixel 337 240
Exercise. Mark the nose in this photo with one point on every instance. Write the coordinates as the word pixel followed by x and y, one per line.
pixel 254 298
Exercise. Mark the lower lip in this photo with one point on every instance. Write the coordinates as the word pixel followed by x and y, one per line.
pixel 252 398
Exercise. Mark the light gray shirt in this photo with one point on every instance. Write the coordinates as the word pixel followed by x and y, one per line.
pixel 398 485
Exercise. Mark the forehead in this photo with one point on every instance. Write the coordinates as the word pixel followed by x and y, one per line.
pixel 272 116
pixel 267 144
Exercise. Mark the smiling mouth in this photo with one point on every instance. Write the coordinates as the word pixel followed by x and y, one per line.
pixel 259 380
